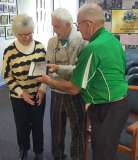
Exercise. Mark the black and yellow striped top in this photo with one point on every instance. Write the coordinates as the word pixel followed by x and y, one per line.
pixel 16 67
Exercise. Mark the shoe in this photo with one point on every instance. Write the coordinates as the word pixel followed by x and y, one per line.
pixel 22 155
pixel 38 156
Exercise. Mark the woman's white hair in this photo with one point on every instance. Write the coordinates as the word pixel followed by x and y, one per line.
pixel 22 23
pixel 63 14
pixel 92 12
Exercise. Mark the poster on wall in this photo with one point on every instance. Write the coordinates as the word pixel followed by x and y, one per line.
pixel 8 9
pixel 124 21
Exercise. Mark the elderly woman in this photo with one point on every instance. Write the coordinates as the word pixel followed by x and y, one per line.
pixel 28 113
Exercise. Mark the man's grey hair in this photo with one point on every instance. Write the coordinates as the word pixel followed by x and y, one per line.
pixel 92 12
pixel 63 15
pixel 21 23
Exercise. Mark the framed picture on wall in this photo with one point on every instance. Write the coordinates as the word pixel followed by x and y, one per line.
pixel 5 8
pixel 1 8
pixel 11 18
pixel 2 31
pixel 131 46
pixel 3 19
pixel 107 14
pixel 12 9
pixel 3 0
pixel 8 9
pixel 9 34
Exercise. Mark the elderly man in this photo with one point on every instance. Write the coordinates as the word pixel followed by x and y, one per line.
pixel 63 49
pixel 100 78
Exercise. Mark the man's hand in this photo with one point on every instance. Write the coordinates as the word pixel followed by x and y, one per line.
pixel 61 84
pixel 27 98
pixel 52 67
pixel 42 79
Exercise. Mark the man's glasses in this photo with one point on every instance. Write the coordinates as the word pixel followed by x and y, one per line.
pixel 81 22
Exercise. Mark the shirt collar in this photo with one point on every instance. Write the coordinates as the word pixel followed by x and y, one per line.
pixel 25 49
pixel 97 33
pixel 72 35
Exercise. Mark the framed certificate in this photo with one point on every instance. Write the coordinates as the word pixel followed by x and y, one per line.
pixel 37 69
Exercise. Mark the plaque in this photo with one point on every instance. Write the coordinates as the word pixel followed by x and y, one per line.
pixel 37 69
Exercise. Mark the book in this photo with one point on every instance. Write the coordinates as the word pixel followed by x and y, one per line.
pixel 37 69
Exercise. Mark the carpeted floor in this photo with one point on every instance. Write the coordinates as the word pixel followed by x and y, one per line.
pixel 8 146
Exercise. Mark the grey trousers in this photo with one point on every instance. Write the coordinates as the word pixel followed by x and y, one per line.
pixel 63 106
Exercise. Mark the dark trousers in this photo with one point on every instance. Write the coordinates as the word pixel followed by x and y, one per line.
pixel 107 122
pixel 28 118
pixel 63 106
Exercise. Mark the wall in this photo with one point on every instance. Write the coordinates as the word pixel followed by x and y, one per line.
pixel 43 30
pixel 66 4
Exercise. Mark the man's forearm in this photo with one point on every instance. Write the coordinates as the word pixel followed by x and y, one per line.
pixel 62 85
pixel 65 70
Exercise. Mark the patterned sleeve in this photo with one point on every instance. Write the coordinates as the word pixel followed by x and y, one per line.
pixel 43 85
pixel 7 72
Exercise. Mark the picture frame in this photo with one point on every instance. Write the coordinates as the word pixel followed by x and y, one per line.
pixel 8 9
pixel 131 46
pixel 107 14
pixel 37 69
pixel 5 8
pixel 12 9
pixel 3 0
pixel 2 31
pixel 9 34
pixel 1 8
pixel 4 19
pixel 11 18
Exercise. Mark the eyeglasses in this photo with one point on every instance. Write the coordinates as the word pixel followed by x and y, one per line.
pixel 25 34
pixel 78 24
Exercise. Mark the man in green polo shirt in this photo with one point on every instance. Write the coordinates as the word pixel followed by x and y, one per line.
pixel 100 78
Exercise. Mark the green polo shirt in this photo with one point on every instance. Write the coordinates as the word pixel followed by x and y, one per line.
pixel 100 69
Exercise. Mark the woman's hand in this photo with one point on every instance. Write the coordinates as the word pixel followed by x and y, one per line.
pixel 27 98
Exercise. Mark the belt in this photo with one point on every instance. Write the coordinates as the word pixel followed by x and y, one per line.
pixel 113 102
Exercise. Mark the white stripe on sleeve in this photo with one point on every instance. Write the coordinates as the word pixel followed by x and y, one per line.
pixel 86 73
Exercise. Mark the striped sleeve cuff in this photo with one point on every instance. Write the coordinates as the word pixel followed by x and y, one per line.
pixel 43 87
pixel 19 91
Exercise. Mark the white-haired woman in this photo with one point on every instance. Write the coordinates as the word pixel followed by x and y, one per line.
pixel 28 114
